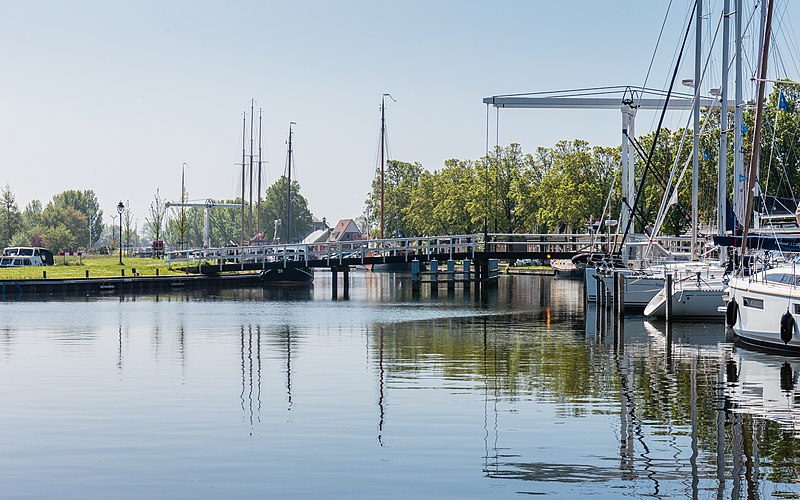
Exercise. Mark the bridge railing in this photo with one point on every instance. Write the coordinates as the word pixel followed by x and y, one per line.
pixel 409 248
pixel 545 242
pixel 332 252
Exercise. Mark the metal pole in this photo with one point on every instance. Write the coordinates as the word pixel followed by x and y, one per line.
pixel 696 119
pixel 738 120
pixel 722 173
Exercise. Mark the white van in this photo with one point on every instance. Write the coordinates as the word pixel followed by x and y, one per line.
pixel 26 256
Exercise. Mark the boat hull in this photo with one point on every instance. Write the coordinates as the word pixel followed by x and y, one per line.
pixel 287 276
pixel 639 289
pixel 760 307
pixel 687 303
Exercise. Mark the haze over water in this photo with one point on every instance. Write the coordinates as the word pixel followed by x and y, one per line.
pixel 286 393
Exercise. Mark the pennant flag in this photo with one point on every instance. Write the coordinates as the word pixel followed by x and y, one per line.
pixel 782 102
pixel 742 178
pixel 674 198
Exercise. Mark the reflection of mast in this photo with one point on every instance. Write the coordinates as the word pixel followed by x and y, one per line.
pixel 289 366
pixel 250 367
pixel 381 382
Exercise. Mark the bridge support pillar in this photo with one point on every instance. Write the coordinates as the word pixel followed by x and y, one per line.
pixel 451 275
pixel 334 283
pixel 346 283
pixel 467 274
pixel 434 268
pixel 415 275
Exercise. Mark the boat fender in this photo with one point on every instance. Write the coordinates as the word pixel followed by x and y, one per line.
pixel 731 313
pixel 787 327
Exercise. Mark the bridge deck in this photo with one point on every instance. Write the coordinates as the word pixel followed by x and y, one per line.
pixel 395 250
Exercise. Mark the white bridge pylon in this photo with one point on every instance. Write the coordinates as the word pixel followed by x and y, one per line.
pixel 209 203
pixel 628 104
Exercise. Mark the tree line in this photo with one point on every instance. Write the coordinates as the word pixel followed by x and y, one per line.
pixel 568 187
pixel 73 220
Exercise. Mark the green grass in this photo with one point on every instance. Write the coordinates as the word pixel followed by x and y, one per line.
pixel 99 266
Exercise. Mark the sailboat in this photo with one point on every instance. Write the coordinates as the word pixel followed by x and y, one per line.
pixel 763 303
pixel 294 270
pixel 389 266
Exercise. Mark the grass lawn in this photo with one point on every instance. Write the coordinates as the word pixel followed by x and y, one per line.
pixel 97 265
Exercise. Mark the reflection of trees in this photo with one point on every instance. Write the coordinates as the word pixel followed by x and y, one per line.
pixel 562 365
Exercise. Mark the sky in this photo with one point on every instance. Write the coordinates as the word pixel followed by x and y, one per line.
pixel 117 96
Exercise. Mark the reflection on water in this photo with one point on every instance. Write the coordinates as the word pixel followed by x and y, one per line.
pixel 523 390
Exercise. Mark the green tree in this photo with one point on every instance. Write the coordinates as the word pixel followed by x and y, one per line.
pixel 10 216
pixel 273 207
pixel 400 180
pixel 154 220
pixel 84 202
pixel 574 185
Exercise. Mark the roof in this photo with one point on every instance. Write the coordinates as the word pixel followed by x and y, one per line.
pixel 318 236
pixel 345 227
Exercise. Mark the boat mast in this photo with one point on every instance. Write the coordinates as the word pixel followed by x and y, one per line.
pixel 738 120
pixel 258 207
pixel 383 140
pixel 244 175
pixel 289 185
pixel 723 135
pixel 250 203
pixel 756 150
pixel 696 119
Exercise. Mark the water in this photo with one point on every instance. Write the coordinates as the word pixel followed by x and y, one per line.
pixel 286 393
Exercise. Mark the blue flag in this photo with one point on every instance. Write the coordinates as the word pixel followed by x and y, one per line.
pixel 782 102
pixel 706 155
pixel 741 178
pixel 744 128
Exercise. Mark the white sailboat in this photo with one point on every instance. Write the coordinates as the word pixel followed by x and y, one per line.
pixel 763 304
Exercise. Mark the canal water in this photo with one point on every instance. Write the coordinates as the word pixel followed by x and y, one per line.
pixel 265 393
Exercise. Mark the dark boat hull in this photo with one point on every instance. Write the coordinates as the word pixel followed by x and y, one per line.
pixel 287 276
pixel 392 267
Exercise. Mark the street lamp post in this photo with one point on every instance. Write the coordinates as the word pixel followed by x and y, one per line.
pixel 120 209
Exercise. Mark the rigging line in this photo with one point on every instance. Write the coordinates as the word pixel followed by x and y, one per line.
pixel 658 42
pixel 667 192
pixel 658 132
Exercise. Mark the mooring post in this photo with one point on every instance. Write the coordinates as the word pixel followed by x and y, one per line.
pixel 44 274
pixel 601 292
pixel 619 291
pixel 467 274
pixel 493 272
pixel 87 272
pixel 434 268
pixel 668 298
pixel 415 275
pixel 346 284
pixel 334 283
pixel 451 274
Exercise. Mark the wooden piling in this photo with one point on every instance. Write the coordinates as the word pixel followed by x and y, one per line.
pixel 467 274
pixel 619 293
pixel 668 298
pixel 346 284
pixel 415 275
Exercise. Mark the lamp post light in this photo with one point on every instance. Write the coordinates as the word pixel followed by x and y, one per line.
pixel 120 209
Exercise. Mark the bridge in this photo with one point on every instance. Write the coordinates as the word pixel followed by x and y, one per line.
pixel 477 247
